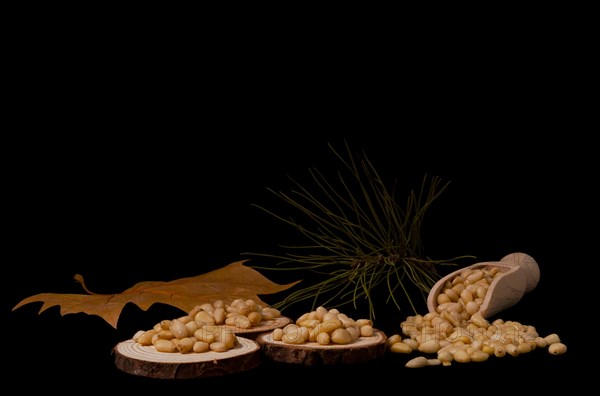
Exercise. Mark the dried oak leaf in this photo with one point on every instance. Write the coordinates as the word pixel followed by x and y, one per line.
pixel 227 283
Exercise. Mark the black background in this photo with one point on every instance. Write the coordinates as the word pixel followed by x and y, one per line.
pixel 133 160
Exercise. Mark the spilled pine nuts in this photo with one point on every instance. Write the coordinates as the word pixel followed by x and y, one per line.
pixel 419 361
pixel 557 348
pixel 457 331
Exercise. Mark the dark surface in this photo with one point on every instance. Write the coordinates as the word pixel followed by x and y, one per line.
pixel 138 172
pixel 121 212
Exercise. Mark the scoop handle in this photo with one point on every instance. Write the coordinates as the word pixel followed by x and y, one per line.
pixel 527 265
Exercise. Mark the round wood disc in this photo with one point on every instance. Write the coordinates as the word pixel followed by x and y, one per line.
pixel 262 327
pixel 146 361
pixel 313 354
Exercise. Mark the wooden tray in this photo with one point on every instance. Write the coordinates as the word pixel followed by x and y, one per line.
pixel 314 354
pixel 146 361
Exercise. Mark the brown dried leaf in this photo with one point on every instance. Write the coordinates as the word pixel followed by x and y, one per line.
pixel 227 283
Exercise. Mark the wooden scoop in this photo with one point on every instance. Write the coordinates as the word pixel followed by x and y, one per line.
pixel 519 274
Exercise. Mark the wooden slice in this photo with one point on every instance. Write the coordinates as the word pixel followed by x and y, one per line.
pixel 146 361
pixel 314 354
pixel 263 327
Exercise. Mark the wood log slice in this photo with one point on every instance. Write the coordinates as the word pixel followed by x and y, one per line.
pixel 313 354
pixel 263 327
pixel 146 361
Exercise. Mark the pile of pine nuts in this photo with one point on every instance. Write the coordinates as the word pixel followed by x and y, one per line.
pixel 324 326
pixel 457 332
pixel 207 327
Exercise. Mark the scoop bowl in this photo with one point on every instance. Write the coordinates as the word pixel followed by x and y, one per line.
pixel 518 274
